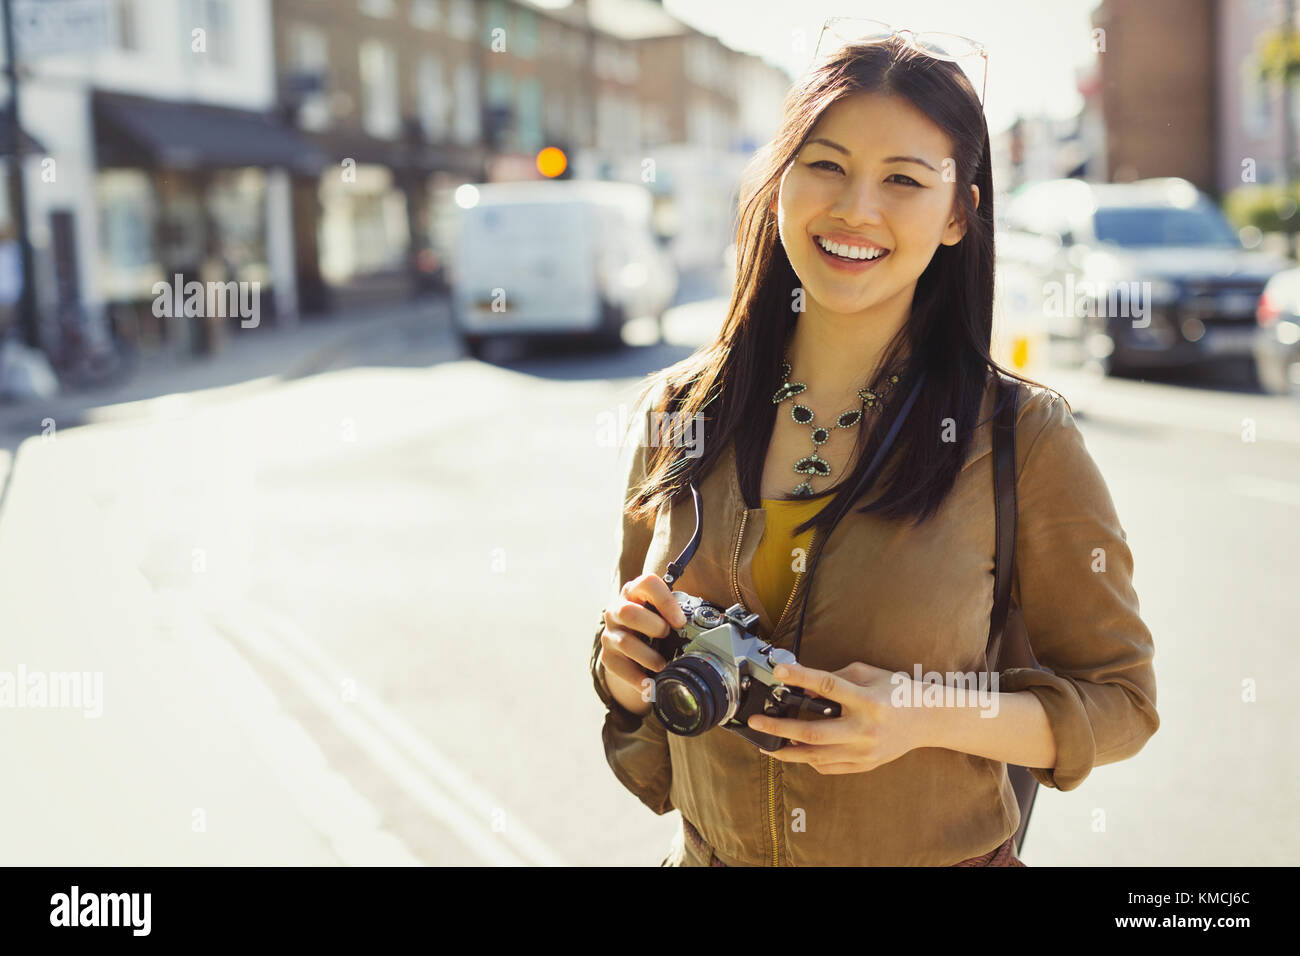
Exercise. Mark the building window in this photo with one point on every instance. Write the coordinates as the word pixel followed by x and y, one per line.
pixel 497 14
pixel 127 23
pixel 615 62
pixel 525 34
pixel 213 16
pixel 500 101
pixel 654 126
pixel 378 8
pixel 309 62
pixel 1256 103
pixel 631 117
pixel 697 124
pixel 580 126
pixel 462 24
pixel 379 107
pixel 468 119
pixel 128 233
pixel 432 94
pixel 603 60
pixel 557 116
pixel 606 121
pixel 691 55
pixel 704 64
pixel 498 89
pixel 364 225
pixel 530 115
pixel 236 205
pixel 577 48
pixel 425 14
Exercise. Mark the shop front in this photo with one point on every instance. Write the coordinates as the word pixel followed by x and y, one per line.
pixel 189 193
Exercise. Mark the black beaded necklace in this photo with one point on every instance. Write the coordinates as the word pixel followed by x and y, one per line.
pixel 814 465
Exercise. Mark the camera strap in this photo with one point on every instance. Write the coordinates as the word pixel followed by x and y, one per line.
pixel 678 567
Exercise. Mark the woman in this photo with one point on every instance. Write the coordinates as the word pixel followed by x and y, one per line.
pixel 865 275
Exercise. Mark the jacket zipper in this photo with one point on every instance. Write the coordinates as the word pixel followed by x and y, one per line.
pixel 735 558
pixel 773 823
pixel 812 543
pixel 771 809
pixel 771 761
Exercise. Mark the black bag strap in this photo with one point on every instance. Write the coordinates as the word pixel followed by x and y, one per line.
pixel 1004 499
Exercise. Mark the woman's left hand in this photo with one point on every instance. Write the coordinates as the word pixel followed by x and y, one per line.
pixel 870 731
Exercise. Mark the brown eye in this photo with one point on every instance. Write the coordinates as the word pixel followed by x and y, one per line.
pixel 823 163
pixel 909 181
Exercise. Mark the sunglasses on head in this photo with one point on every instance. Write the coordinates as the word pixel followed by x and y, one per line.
pixel 840 32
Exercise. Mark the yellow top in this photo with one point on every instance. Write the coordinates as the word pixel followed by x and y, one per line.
pixel 776 564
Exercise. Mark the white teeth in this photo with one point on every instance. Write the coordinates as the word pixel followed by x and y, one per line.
pixel 849 252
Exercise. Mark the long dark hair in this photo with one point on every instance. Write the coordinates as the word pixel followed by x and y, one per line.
pixel 729 384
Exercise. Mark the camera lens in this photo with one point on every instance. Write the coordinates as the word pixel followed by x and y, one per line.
pixel 695 693
pixel 679 700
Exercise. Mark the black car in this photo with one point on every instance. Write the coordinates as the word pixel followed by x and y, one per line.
pixel 1136 275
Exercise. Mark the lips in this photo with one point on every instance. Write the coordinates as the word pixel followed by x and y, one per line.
pixel 843 264
pixel 850 248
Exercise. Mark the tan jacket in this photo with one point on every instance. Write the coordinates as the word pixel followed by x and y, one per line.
pixel 894 597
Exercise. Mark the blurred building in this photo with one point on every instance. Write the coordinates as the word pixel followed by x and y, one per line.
pixel 1035 148
pixel 410 99
pixel 1092 126
pixel 392 93
pixel 1181 92
pixel 1248 142
pixel 704 109
pixel 312 146
pixel 1158 77
pixel 162 156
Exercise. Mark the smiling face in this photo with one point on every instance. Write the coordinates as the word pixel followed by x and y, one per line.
pixel 864 205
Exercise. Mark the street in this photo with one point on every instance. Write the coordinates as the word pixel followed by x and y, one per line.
pixel 345 619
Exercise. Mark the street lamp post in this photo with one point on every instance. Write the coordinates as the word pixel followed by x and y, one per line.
pixel 1288 134
pixel 27 300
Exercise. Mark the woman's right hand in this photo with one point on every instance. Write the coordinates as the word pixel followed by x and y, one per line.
pixel 623 648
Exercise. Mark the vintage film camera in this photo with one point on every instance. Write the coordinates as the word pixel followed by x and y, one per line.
pixel 719 673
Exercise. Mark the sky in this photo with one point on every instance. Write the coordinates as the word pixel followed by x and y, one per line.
pixel 1034 46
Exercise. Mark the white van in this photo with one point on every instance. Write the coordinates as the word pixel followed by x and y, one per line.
pixel 568 258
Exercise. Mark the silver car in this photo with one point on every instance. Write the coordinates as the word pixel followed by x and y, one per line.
pixel 1277 337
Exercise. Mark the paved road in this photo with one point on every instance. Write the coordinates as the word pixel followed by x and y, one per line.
pixel 336 627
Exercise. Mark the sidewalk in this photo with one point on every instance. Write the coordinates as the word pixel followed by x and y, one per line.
pixel 252 360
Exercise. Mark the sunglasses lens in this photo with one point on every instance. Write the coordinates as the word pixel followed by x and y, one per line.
pixel 946 45
pixel 846 32
pixel 867 36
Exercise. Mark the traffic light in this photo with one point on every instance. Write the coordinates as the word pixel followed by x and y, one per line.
pixel 553 163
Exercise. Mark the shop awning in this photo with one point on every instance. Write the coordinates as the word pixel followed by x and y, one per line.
pixel 29 143
pixel 132 130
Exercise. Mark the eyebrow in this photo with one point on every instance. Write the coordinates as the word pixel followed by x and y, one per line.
pixel 888 159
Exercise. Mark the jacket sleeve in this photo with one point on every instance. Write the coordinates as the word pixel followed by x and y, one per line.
pixel 1075 576
pixel 636 748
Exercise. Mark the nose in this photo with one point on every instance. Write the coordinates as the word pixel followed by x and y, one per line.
pixel 858 203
